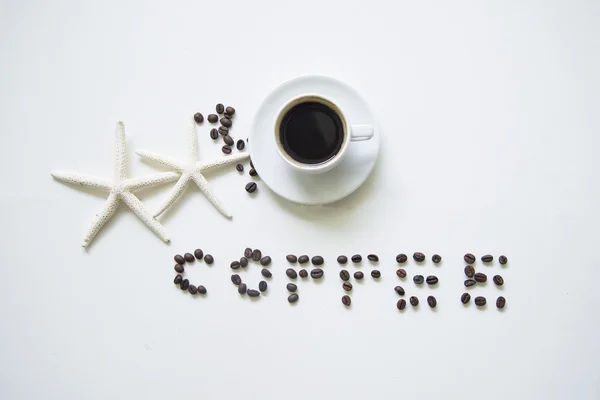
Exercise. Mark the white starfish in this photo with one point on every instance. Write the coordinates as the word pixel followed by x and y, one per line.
pixel 192 170
pixel 120 188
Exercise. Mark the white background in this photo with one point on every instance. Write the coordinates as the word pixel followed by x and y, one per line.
pixel 490 133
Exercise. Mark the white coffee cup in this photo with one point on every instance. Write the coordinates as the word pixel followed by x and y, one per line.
pixel 351 133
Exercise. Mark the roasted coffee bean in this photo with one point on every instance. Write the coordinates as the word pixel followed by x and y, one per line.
pixel 242 288
pixel 253 293
pixel 179 268
pixel 344 275
pixel 401 304
pixel 262 286
pixel 498 280
pixel 436 258
pixel 201 289
pixel 230 110
pixel 419 257
pixel 223 131
pixel 401 273
pixel 193 289
pixel 303 259
pixel 500 302
pixel 243 262
pixel 240 144
pixel 198 254
pixel 212 118
pixel 235 278
pixel 185 284
pixel 401 258
pixel 376 274
pixel 251 187
pixel 356 258
pixel 291 287
pixel 220 108
pixel 469 271
pixel 179 259
pixel 373 257
pixel 248 252
pixel 465 298
pixel 266 260
pixel 470 282
pixel 431 301
pixel 480 277
pixel 235 265
pixel 252 172
pixel 431 280
pixel 228 140
pixel 291 273
pixel 418 279
pixel 226 149
pixel 292 298
pixel 480 301
pixel 214 133
pixel 502 260
pixel 342 259
pixel 208 259
pixel 178 279
pixel 400 290
pixel 226 122
pixel 291 258
pixel 256 255
pixel 317 260
pixel 414 301
pixel 347 286
pixel 189 257
pixel 316 273
pixel 266 273
pixel 487 258
pixel 346 300
pixel 303 273
pixel 199 118
pixel 469 258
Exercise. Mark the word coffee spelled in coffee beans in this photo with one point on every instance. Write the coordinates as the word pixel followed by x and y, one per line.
pixel 220 108
pixel 419 257
pixel 179 268
pixel 346 300
pixel 292 298
pixel 240 144
pixel 316 273
pixel 401 273
pixel 414 301
pixel 502 260
pixel 373 257
pixel 303 273
pixel 185 284
pixel 178 279
pixel 342 259
pixel 303 259
pixel 400 290
pixel 248 252
pixel 291 273
pixel 201 289
pixel 214 133
pixel 376 274
pixel 291 287
pixel 500 302
pixel 243 262
pixel 291 258
pixel 317 260
pixel 228 140
pixel 480 301
pixel 498 280
pixel 230 110
pixel 344 275
pixel 179 259
pixel 358 275
pixel 431 301
pixel 209 259
pixel 465 298
pixel 356 258
pixel 212 118
pixel 235 279
pixel 470 282
pixel 242 288
pixel 480 277
pixel 266 260
pixel 256 255
pixel 253 293
pixel 266 273
pixel 235 265
pixel 189 257
pixel 192 289
pixel 418 279
pixel 347 286
pixel 469 258
pixel 199 118
pixel 436 258
pixel 487 258
pixel 431 280
pixel 469 271
pixel 226 149
pixel 401 258
pixel 198 254
pixel 401 304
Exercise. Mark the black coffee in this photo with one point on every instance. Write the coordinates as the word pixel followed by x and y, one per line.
pixel 311 133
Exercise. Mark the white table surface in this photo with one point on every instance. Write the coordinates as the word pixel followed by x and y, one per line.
pixel 490 135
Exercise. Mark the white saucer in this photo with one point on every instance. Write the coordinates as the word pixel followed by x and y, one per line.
pixel 323 188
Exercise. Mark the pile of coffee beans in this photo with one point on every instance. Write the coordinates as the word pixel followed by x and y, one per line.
pixel 474 278
pixel 180 261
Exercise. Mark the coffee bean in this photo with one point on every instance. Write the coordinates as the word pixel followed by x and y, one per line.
pixel 178 279
pixel 346 300
pixel 291 287
pixel 212 118
pixel 342 259
pixel 470 282
pixel 230 110
pixel 401 258
pixel 256 255
pixel 480 301
pixel 179 268
pixel 214 133
pixel 234 265
pixel 344 275
pixel 193 289
pixel 480 277
pixel 498 280
pixel 226 149
pixel 500 302
pixel 243 262
pixel 198 254
pixel 252 172
pixel 226 122
pixel 179 259
pixel 400 290
pixel 436 258
pixel 189 257
pixel 373 257
pixel 316 273
pixel 201 289
pixel 347 286
pixel 431 301
pixel 248 252
pixel 401 304
pixel 266 273
pixel 262 286
pixel 303 259
pixel 223 131
pixel 317 260
pixel 414 301
pixel 235 278
pixel 376 274
pixel 220 108
pixel 487 258
pixel 356 258
pixel 208 259
pixel 240 144
pixel 228 140
pixel 419 257
pixel 418 279
pixel 242 288
pixel 291 258
pixel 253 293
pixel 465 298
pixel 502 260
pixel 358 275
pixel 401 273
pixel 199 118
pixel 303 273
pixel 251 187
pixel 292 298
pixel 291 273
pixel 469 258
pixel 469 271
pixel 185 284
pixel 431 280
pixel 266 260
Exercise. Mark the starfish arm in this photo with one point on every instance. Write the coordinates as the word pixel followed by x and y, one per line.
pixel 177 190
pixel 83 180
pixel 107 211
pixel 210 195
pixel 142 182
pixel 120 152
pixel 160 159
pixel 221 161
pixel 192 142
pixel 142 212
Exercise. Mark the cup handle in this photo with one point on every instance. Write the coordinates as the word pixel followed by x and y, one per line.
pixel 360 133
